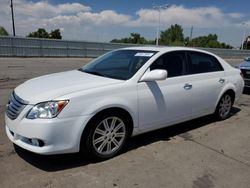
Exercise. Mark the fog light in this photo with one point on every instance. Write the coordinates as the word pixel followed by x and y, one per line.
pixel 37 142
pixel 34 142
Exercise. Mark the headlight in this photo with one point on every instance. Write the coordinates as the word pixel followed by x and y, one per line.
pixel 47 110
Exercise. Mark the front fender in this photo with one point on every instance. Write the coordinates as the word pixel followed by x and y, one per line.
pixel 91 102
pixel 115 103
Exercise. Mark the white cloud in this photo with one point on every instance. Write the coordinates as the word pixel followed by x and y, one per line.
pixel 106 17
pixel 246 23
pixel 200 17
pixel 44 9
pixel 73 8
pixel 235 15
pixel 79 18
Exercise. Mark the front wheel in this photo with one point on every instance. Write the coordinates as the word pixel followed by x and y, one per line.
pixel 224 107
pixel 106 136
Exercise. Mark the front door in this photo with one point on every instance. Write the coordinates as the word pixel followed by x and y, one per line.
pixel 168 101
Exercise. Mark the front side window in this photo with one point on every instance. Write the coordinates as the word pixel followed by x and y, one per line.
pixel 172 62
pixel 202 63
pixel 120 64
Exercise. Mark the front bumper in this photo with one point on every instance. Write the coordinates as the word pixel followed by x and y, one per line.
pixel 59 135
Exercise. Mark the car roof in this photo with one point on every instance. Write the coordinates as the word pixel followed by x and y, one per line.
pixel 165 49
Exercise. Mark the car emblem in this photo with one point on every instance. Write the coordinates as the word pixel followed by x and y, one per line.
pixel 247 72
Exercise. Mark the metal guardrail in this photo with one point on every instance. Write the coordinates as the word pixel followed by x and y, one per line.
pixel 33 47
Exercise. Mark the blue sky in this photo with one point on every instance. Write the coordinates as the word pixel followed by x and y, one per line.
pixel 99 20
pixel 131 6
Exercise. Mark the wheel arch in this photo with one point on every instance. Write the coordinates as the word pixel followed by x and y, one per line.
pixel 229 90
pixel 99 113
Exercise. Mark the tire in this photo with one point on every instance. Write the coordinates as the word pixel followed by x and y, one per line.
pixel 224 107
pixel 106 135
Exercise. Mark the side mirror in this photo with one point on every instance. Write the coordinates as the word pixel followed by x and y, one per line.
pixel 157 74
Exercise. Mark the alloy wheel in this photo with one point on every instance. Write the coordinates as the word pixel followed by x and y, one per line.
pixel 225 106
pixel 109 135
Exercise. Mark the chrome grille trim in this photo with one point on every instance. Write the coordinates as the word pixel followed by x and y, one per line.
pixel 245 75
pixel 15 106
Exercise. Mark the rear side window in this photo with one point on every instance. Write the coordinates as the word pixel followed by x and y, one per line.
pixel 202 63
pixel 173 62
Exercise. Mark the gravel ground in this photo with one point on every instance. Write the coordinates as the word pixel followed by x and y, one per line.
pixel 199 153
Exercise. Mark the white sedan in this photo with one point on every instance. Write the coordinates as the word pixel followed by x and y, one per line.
pixel 123 93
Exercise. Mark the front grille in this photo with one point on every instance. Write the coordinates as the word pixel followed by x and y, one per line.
pixel 247 82
pixel 15 106
pixel 246 73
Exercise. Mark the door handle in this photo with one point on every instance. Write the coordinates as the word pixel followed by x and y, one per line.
pixel 222 80
pixel 187 86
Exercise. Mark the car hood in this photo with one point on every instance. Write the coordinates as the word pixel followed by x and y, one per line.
pixel 51 86
pixel 244 64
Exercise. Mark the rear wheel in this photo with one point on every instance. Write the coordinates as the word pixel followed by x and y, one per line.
pixel 106 136
pixel 224 107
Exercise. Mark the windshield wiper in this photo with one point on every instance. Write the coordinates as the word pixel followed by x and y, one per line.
pixel 92 72
pixel 100 74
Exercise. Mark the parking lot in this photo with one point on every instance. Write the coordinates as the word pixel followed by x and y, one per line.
pixel 199 153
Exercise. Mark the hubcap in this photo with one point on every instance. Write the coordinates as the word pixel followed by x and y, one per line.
pixel 109 135
pixel 225 106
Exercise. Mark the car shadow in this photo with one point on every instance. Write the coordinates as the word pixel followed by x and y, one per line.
pixel 246 91
pixel 180 129
pixel 52 163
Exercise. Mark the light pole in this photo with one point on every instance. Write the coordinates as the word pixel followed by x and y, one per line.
pixel 244 33
pixel 159 8
pixel 13 21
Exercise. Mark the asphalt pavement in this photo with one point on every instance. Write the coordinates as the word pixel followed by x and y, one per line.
pixel 201 153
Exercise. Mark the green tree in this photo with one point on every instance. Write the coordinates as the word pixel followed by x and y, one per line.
pixel 3 31
pixel 246 43
pixel 135 38
pixel 40 33
pixel 209 41
pixel 173 35
pixel 55 34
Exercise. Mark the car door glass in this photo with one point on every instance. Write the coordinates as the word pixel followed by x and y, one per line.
pixel 173 62
pixel 202 63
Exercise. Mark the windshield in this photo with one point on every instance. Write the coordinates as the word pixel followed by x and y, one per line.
pixel 120 64
pixel 247 59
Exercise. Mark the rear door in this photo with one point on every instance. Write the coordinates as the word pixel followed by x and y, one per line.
pixel 207 77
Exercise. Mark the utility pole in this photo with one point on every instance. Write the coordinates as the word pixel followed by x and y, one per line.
pixel 13 21
pixel 191 34
pixel 245 26
pixel 159 8
pixel 244 35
